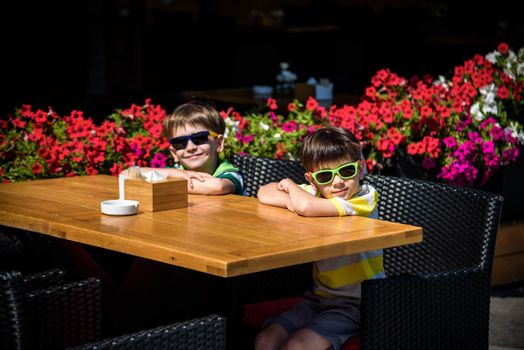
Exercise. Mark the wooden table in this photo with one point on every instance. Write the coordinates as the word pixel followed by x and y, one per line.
pixel 221 235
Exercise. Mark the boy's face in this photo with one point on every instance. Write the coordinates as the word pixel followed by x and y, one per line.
pixel 338 187
pixel 197 157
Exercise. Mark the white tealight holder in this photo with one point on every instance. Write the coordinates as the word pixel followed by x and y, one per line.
pixel 119 207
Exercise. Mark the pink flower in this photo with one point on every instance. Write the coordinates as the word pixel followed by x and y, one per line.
pixel 428 163
pixel 496 132
pixel 247 139
pixel 272 104
pixel 159 161
pixel 289 126
pixel 450 142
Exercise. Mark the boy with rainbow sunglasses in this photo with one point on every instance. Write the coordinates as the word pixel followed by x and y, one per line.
pixel 195 131
pixel 330 314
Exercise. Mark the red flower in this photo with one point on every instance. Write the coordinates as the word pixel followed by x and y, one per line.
pixel 36 168
pixel 426 111
pixel 503 92
pixel 19 123
pixel 311 104
pixel 503 48
pixel 370 92
pixel 272 104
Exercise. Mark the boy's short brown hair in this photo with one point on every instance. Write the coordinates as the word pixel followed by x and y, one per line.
pixel 196 112
pixel 329 145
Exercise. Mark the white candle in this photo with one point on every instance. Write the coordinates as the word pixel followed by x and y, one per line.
pixel 121 188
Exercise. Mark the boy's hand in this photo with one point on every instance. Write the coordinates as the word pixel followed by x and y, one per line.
pixel 189 176
pixel 285 184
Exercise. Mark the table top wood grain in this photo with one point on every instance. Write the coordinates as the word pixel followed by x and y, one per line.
pixel 221 235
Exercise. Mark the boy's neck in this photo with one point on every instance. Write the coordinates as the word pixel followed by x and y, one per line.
pixel 209 167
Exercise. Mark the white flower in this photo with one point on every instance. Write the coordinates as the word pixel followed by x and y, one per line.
pixel 442 82
pixel 490 109
pixel 488 103
pixel 520 69
pixel 231 125
pixel 277 136
pixel 264 126
pixel 475 112
pixel 516 131
pixel 492 56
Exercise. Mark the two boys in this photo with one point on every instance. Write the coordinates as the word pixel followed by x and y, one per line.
pixel 330 314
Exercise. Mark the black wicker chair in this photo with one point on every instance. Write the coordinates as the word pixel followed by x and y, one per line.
pixel 41 312
pixel 205 333
pixel 437 293
pixel 258 171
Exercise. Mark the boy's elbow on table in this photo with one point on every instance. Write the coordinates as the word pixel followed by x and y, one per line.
pixel 264 198
pixel 212 186
pixel 265 192
pixel 304 208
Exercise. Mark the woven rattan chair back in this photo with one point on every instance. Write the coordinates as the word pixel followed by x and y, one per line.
pixel 437 294
pixel 460 224
pixel 205 333
pixel 258 171
pixel 53 317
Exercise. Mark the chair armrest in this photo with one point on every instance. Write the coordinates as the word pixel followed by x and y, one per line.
pixel 202 333
pixel 44 279
pixel 65 315
pixel 447 310
pixel 13 318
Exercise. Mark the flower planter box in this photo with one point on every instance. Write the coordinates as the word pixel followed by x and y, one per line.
pixel 508 266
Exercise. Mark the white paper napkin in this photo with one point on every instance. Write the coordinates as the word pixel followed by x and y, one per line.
pixel 152 176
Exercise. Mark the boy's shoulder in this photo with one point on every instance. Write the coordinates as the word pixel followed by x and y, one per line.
pixel 226 170
pixel 224 166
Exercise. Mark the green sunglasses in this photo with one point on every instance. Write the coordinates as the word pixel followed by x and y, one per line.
pixel 345 171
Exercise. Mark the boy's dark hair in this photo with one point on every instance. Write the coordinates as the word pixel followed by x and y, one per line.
pixel 329 145
pixel 197 112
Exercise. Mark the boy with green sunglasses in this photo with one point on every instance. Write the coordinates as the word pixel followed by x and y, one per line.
pixel 330 314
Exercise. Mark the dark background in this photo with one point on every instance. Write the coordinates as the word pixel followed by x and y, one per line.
pixel 100 55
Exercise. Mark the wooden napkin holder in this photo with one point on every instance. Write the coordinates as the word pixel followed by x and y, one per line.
pixel 159 195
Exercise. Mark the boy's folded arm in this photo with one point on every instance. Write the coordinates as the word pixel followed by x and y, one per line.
pixel 305 204
pixel 212 185
pixel 269 194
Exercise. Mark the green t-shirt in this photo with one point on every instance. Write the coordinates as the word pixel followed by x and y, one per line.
pixel 226 170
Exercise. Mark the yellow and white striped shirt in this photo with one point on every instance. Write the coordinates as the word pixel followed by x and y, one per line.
pixel 342 276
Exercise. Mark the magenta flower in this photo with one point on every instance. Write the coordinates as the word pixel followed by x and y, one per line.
pixel 247 139
pixel 428 163
pixel 289 126
pixel 489 121
pixel 488 147
pixel 496 132
pixel 159 161
pixel 450 142
pixel 474 137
